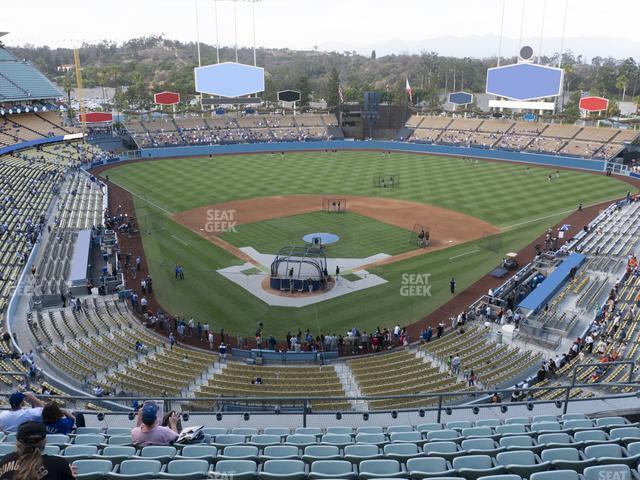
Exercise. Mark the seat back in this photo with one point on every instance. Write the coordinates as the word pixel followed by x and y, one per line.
pixel 120 440
pixel 283 467
pixel 625 432
pixel 137 466
pixel 442 435
pixel 477 462
pixel 6 448
pixel 73 450
pixel 399 429
pixel 336 439
pixel 608 421
pixel 430 465
pixel 240 451
pixel 517 441
pixel 477 432
pixel 369 430
pixel 429 427
pixel 380 467
pixel 608 450
pixel 340 430
pixel 335 468
pixel 265 439
pixel 513 428
pixel 193 451
pixel 245 431
pixel 158 451
pixel 308 431
pixel 555 475
pixel 230 439
pixel 276 431
pixel 565 453
pixel 578 423
pixel 440 447
pixel 544 418
pixel 400 449
pixel 516 421
pixel 488 422
pixel 600 472
pixel 562 438
pixel 57 439
pixel 282 451
pixel 181 467
pixel 87 430
pixel 236 466
pixel 459 424
pixel 590 435
pixel 546 427
pixel 301 440
pixel 478 444
pixel 118 451
pixel 93 466
pixel 118 431
pixel 518 457
pixel 406 437
pixel 360 450
pixel 374 438
pixel 323 450
pixel 89 439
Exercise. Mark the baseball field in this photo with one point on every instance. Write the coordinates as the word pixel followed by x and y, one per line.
pixel 199 211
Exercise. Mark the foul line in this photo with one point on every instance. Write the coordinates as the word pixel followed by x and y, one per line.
pixel 509 227
pixel 143 199
pixel 180 240
pixel 463 254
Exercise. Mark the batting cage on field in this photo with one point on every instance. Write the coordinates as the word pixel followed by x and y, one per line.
pixel 334 205
pixel 386 181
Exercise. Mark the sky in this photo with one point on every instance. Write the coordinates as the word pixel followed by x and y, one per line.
pixel 303 24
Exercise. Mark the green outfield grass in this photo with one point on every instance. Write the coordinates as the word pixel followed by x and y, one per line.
pixel 360 236
pixel 523 205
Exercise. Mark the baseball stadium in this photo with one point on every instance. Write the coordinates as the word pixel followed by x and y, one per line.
pixel 228 273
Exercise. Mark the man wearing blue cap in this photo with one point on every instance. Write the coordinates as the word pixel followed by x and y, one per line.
pixel 10 420
pixel 149 432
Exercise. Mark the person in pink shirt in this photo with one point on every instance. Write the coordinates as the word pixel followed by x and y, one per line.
pixel 148 430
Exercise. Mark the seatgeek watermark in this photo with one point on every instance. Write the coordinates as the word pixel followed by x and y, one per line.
pixel 415 285
pixel 221 221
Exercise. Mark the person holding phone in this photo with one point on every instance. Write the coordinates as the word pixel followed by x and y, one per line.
pixel 148 430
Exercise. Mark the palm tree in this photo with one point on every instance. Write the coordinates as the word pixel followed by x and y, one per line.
pixel 67 85
pixel 621 84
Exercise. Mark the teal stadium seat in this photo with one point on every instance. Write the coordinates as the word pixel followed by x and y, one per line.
pixel 383 468
pixel 301 440
pixel 556 475
pixel 118 453
pixel 94 469
pixel 361 452
pixel 239 452
pixel 313 453
pixel 283 470
pixel 264 440
pixel 522 462
pixel 88 439
pixel 186 470
pixel 610 472
pixel 567 458
pixel 79 452
pixel 161 453
pixel 237 469
pixel 401 451
pixel 473 467
pixel 447 450
pixel 338 440
pixel 279 452
pixel 420 468
pixel 136 470
pixel 198 452
pixel 330 469
pixel 378 439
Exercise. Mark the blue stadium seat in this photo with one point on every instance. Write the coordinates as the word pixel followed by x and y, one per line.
pixel 610 421
pixel 401 451
pixel 225 439
pixel 300 440
pixel 360 452
pixel 198 452
pixel 337 440
pixel 566 458
pixel 239 452
pixel 553 440
pixel 88 439
pixel 517 421
pixel 407 437
pixel 281 431
pixel 436 435
pixel 119 440
pixel 383 468
pixel 522 462
pixel 474 432
pixel 94 469
pixel 446 450
pixel 625 434
pixel 542 427
pixel 79 452
pixel 237 469
pixel 458 424
pixel 48 450
pixel 264 440
pixel 161 453
pixel 488 422
pixel 136 470
pixel 213 432
pixel 473 467
pixel 573 416
pixel 245 431
pixel 591 437
pixel 577 424
pixel 330 469
pixel 429 427
pixel 609 454
pixel 340 430
pixel 186 470
pixel 118 431
pixel 309 431
pixel 544 418
pixel 608 472
pixel 90 430
pixel 399 429
pixel 369 430
pixel 279 452
pixel 556 475
pixel 511 429
pixel 6 448
pixel 283 470
pixel 117 453
pixel 58 439
pixel 378 439
pixel 420 468
pixel 481 446
pixel 520 442
pixel 313 453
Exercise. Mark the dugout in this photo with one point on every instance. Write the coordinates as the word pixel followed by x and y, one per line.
pixel 295 268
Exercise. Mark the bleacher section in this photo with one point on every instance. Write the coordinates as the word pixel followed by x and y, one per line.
pixel 228 129
pixel 571 140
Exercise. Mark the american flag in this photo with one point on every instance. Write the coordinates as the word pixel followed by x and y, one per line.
pixel 340 94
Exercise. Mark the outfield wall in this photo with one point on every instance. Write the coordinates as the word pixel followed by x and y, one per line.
pixel 533 158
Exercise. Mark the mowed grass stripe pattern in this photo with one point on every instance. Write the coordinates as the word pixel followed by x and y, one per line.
pixel 499 193
pixel 360 236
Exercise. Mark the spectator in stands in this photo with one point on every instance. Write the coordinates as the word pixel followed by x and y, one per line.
pixel 10 420
pixel 149 432
pixel 28 461
pixel 59 420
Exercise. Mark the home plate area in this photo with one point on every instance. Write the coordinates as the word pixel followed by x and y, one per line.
pixel 254 278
